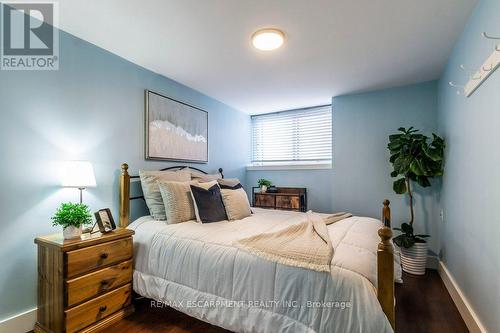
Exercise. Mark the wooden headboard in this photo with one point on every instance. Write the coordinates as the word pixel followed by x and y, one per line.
pixel 125 197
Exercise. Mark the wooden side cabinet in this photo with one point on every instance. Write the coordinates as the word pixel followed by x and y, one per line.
pixel 84 285
pixel 286 198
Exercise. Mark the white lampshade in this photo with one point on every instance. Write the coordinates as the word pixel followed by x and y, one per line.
pixel 78 174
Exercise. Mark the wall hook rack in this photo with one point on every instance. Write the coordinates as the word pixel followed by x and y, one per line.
pixel 454 85
pixel 462 67
pixel 487 68
pixel 470 71
pixel 485 35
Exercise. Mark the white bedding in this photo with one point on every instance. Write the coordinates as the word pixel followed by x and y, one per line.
pixel 196 269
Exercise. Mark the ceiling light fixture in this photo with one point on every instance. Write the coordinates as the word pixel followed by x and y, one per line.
pixel 268 39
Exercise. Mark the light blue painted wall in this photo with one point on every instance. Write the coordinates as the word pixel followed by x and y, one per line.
pixel 470 246
pixel 92 109
pixel 359 179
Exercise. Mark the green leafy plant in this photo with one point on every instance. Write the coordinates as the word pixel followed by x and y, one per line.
pixel 264 182
pixel 408 238
pixel 70 214
pixel 415 158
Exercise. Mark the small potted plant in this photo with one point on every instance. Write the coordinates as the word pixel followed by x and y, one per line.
pixel 415 158
pixel 264 184
pixel 72 217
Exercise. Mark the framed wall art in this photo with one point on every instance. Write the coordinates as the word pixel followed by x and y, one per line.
pixel 175 131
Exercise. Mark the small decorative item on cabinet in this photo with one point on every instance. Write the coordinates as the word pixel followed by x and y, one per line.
pixel 104 220
pixel 272 189
pixel 264 184
pixel 286 198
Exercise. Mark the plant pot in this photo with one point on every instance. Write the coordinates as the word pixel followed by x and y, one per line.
pixel 414 259
pixel 72 232
pixel 263 189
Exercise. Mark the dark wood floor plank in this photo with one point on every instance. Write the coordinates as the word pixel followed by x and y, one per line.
pixel 422 306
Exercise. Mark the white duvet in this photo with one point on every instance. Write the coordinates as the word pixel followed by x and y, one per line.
pixel 196 269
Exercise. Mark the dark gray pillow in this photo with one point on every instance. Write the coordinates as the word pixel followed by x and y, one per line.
pixel 210 207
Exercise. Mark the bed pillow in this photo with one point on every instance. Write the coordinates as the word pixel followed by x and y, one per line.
pixel 228 182
pixel 177 200
pixel 208 203
pixel 201 177
pixel 206 186
pixel 151 191
pixel 235 201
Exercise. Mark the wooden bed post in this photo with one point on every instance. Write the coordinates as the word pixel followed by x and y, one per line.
pixel 124 196
pixel 385 267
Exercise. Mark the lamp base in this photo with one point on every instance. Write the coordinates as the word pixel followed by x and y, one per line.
pixel 81 194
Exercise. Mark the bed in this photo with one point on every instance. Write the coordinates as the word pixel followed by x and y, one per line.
pixel 197 269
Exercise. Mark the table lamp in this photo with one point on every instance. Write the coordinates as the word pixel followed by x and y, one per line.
pixel 78 174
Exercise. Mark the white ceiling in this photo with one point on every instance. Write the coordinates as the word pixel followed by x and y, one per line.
pixel 333 47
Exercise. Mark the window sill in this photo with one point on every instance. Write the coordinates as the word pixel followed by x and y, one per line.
pixel 319 166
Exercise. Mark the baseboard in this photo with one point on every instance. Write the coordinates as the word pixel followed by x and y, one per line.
pixel 20 323
pixel 464 307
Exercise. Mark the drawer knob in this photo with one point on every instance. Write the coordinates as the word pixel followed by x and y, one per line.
pixel 104 282
pixel 104 255
pixel 103 308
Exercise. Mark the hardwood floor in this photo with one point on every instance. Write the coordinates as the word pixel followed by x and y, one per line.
pixel 423 306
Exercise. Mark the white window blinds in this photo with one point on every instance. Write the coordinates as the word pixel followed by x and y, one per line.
pixel 293 137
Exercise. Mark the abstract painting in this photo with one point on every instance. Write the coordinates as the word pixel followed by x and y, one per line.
pixel 175 130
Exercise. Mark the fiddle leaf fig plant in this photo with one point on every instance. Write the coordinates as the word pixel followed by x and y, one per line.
pixel 415 158
pixel 407 237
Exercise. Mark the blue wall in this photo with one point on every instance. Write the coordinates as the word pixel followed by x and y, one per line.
pixel 91 109
pixel 470 196
pixel 359 179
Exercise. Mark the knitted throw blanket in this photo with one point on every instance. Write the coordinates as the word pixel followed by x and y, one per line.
pixel 305 245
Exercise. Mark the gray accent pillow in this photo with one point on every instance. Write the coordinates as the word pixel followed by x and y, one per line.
pixel 178 202
pixel 151 191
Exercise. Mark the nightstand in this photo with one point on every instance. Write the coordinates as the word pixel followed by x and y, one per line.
pixel 85 284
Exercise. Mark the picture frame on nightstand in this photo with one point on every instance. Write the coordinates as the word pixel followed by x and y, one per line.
pixel 104 220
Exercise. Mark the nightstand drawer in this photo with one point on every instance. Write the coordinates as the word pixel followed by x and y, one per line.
pixel 99 308
pixel 90 258
pixel 87 286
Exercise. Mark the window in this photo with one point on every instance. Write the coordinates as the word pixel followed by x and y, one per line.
pixel 291 138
